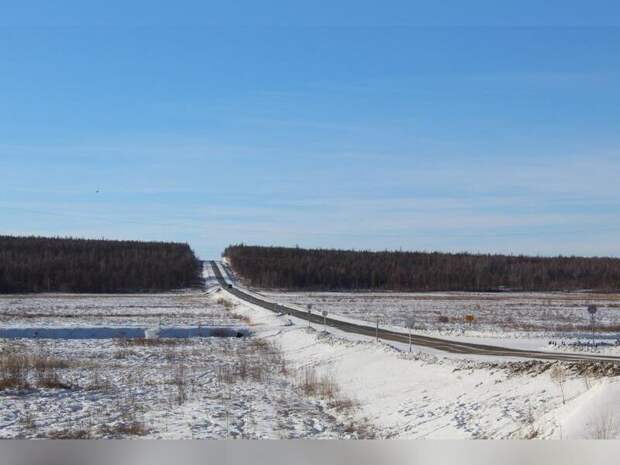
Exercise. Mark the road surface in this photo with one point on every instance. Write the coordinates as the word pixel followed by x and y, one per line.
pixel 445 345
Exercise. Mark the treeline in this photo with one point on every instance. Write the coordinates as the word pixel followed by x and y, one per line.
pixel 317 269
pixel 36 264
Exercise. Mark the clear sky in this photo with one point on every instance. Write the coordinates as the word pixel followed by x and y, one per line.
pixel 448 125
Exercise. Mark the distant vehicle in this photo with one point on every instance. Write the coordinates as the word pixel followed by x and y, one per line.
pixel 230 286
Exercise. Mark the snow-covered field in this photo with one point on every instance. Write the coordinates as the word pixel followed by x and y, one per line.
pixel 286 380
pixel 498 315
pixel 204 387
pixel 180 309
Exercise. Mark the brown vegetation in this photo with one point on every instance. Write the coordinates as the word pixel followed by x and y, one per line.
pixel 152 342
pixel 20 371
pixel 311 384
pixel 257 361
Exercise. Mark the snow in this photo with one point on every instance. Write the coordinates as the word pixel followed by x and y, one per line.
pixel 145 391
pixel 593 415
pixel 178 388
pixel 427 394
pixel 515 320
pixel 170 388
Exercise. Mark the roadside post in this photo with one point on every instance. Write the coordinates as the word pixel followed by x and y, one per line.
pixel 324 319
pixel 377 330
pixel 592 309
pixel 410 323
pixel 309 314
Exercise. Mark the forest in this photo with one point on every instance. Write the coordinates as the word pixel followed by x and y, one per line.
pixel 321 269
pixel 38 264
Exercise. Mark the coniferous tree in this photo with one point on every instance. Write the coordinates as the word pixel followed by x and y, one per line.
pixel 37 264
pixel 319 269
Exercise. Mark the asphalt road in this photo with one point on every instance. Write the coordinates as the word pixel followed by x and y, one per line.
pixel 425 341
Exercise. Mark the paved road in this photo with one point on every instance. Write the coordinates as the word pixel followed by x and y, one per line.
pixel 433 342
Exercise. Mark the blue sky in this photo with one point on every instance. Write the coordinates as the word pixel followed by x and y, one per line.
pixel 494 128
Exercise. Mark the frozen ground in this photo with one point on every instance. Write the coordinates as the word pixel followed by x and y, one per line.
pixel 203 387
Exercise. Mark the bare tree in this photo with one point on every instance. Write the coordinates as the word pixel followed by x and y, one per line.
pixel 559 377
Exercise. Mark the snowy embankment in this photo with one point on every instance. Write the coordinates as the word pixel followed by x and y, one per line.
pixel 594 415
pixel 432 395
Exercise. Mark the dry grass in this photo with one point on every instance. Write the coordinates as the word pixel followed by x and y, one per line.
pixel 244 319
pixel 180 381
pixel 324 387
pixel 361 429
pixel 99 383
pixel 155 342
pixel 27 419
pixel 234 315
pixel 70 434
pixel 124 429
pixel 20 371
pixel 227 304
pixel 135 428
pixel 343 404
pixel 311 384
pixel 257 361
pixel 130 421
pixel 225 375
pixel 509 324
pixel 124 354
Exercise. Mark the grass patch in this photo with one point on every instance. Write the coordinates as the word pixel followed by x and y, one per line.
pixel 257 361
pixel 70 434
pixel 124 429
pixel 311 384
pixel 20 371
pixel 242 318
pixel 155 342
